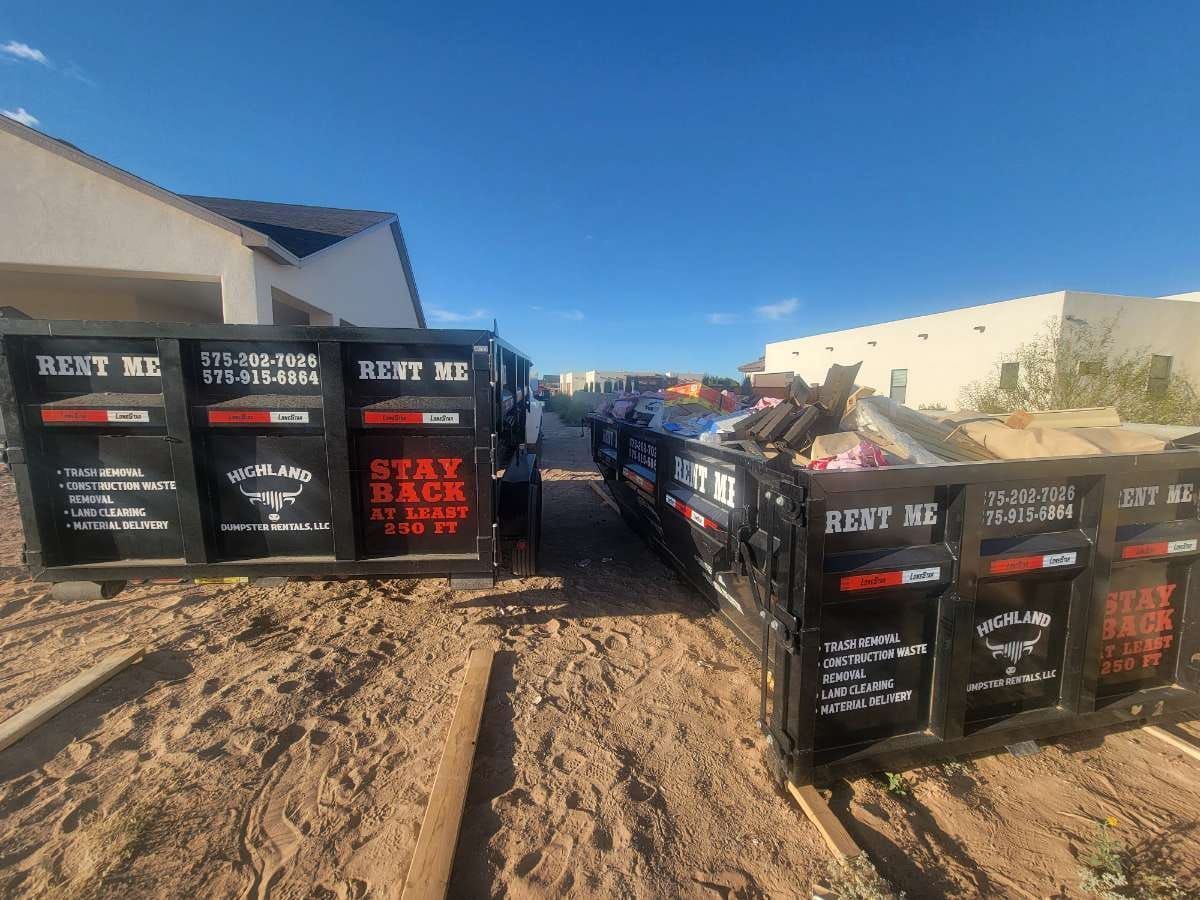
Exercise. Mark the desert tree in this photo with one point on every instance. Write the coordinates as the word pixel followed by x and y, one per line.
pixel 1074 364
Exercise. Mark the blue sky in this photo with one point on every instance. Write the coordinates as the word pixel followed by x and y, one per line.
pixel 669 187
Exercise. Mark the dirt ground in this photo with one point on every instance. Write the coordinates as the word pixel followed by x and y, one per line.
pixel 282 742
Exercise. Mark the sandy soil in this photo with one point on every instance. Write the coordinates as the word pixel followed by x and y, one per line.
pixel 282 742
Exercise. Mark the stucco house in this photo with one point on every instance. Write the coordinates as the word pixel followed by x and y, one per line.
pixel 83 239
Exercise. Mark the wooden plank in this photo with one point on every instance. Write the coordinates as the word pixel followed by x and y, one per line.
pixel 17 726
pixel 799 391
pixel 776 413
pixel 603 496
pixel 837 388
pixel 429 872
pixel 745 426
pixel 837 838
pixel 1179 743
pixel 800 432
pixel 1096 416
pixel 777 428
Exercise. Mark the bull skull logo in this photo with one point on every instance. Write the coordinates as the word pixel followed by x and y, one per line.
pixel 275 501
pixel 1013 651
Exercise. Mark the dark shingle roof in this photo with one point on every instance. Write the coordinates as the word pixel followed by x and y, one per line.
pixel 301 229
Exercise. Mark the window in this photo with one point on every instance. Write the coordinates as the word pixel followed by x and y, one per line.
pixel 1160 375
pixel 1091 367
pixel 1008 376
pixel 899 385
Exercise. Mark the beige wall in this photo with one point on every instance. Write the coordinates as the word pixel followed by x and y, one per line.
pixel 953 354
pixel 1170 327
pixel 121 306
pixel 54 212
pixel 361 280
pixel 58 215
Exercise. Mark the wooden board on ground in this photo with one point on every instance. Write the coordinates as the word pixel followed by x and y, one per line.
pixel 603 496
pixel 429 872
pixel 836 837
pixel 1181 744
pixel 17 726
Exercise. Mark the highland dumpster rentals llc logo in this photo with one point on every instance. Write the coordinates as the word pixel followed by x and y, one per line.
pixel 1011 638
pixel 275 489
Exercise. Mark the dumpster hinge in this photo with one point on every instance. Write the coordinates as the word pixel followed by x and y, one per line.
pixel 792 502
pixel 785 633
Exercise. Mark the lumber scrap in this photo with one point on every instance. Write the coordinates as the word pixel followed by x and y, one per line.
pixel 778 426
pixel 748 447
pixel 1089 417
pixel 779 413
pixel 1181 744
pixel 827 445
pixel 603 496
pixel 799 391
pixel 745 427
pixel 837 388
pixel 800 432
pixel 857 394
pixel 835 835
pixel 20 724
pixel 429 872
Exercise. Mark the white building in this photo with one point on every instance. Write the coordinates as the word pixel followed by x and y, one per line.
pixel 80 238
pixel 927 360
pixel 605 382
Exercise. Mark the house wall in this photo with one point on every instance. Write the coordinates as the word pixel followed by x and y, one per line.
pixel 57 213
pixel 360 279
pixel 121 306
pixel 940 365
pixel 1170 327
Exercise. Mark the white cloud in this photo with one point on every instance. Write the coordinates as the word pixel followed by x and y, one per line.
pixel 571 315
pixel 23 51
pixel 446 315
pixel 76 72
pixel 780 310
pixel 720 318
pixel 20 114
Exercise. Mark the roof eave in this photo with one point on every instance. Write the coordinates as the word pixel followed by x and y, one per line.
pixel 267 246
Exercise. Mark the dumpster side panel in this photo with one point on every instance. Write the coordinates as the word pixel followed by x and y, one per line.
pixel 153 450
pixel 907 614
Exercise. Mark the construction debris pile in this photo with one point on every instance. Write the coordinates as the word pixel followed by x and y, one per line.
pixel 839 425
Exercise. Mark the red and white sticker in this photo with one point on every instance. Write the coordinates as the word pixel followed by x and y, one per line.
pixel 93 416
pixel 1159 548
pixel 890 579
pixel 257 417
pixel 640 480
pixel 692 515
pixel 407 417
pixel 1032 563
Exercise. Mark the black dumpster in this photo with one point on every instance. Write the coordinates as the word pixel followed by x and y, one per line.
pixel 241 451
pixel 908 613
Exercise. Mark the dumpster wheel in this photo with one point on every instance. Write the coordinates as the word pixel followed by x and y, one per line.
pixel 526 551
